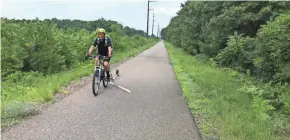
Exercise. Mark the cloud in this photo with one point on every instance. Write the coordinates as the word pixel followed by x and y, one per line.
pixel 166 10
pixel 42 9
pixel 123 11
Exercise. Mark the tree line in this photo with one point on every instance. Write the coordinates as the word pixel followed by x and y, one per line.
pixel 50 46
pixel 81 24
pixel 251 37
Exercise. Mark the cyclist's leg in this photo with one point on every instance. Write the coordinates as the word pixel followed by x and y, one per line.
pixel 107 67
pixel 107 64
pixel 97 60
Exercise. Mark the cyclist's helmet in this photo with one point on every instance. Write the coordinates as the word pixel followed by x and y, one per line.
pixel 101 30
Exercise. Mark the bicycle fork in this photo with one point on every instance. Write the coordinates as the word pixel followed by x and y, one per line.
pixel 98 70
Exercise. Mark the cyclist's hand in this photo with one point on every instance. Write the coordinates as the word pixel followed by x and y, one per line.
pixel 86 56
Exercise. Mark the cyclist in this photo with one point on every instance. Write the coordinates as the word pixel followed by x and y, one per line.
pixel 104 43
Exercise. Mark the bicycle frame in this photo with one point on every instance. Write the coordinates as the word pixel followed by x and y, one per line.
pixel 101 67
pixel 102 71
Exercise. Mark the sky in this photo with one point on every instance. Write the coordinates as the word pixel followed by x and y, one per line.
pixel 132 13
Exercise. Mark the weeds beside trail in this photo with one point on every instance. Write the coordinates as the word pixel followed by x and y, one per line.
pixel 226 104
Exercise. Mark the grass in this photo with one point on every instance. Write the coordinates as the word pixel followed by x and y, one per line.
pixel 20 100
pixel 219 100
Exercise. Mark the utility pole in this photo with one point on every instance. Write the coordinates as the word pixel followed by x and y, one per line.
pixel 153 24
pixel 158 30
pixel 148 17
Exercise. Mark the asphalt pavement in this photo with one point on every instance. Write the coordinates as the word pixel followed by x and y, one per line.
pixel 154 110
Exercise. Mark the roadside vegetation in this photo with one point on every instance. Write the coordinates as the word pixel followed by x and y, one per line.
pixel 232 61
pixel 39 57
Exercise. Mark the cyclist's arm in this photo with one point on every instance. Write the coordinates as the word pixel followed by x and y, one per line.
pixel 91 49
pixel 93 46
pixel 110 48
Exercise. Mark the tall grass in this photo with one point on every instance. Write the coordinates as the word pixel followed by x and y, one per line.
pixel 220 101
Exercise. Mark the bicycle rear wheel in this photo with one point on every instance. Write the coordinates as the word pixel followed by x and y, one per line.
pixel 96 83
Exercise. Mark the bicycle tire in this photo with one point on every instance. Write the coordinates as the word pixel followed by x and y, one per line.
pixel 105 81
pixel 117 72
pixel 95 84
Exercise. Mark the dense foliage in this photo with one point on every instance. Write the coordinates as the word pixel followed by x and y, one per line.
pixel 44 47
pixel 250 37
pixel 88 25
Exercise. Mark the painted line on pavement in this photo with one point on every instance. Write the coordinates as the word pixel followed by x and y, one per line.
pixel 125 89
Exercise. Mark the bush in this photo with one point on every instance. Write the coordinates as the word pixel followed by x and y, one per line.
pixel 209 28
pixel 238 55
pixel 272 53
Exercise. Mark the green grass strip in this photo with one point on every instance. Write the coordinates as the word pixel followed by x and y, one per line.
pixel 218 99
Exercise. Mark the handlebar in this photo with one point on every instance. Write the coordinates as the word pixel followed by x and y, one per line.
pixel 99 56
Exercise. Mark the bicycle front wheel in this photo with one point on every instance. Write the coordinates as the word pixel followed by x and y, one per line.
pixel 96 83
pixel 105 81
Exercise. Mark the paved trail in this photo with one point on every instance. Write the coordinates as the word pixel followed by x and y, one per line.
pixel 155 110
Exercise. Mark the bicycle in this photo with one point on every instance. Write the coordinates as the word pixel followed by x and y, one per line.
pixel 100 74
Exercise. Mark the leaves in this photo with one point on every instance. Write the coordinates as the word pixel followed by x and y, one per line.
pixel 252 37
pixel 241 35
pixel 52 46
